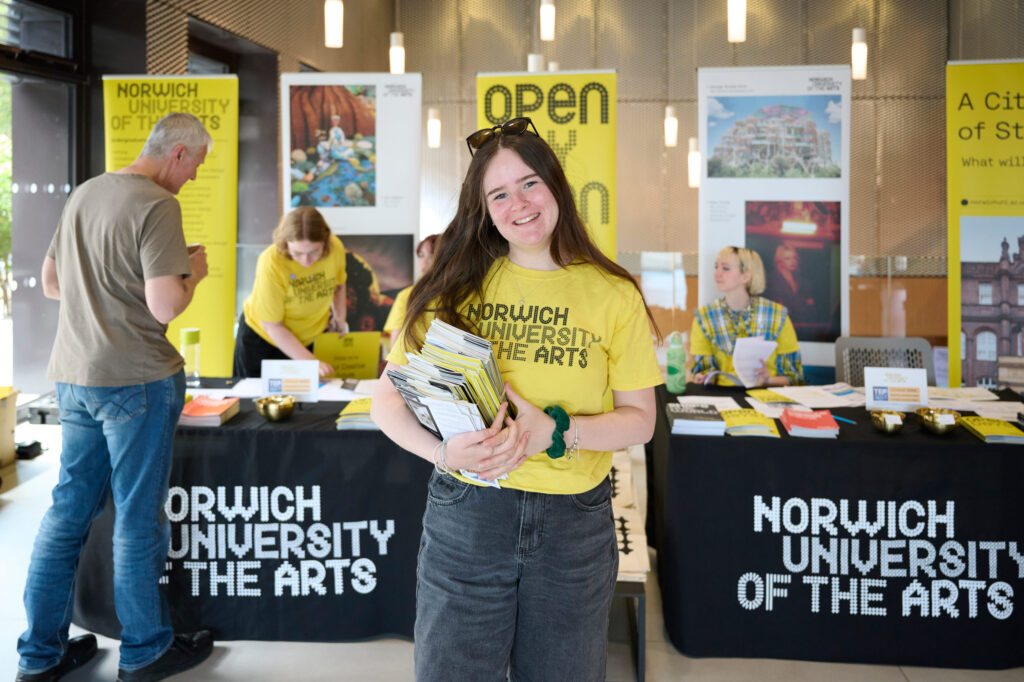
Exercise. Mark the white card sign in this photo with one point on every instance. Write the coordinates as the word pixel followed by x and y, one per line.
pixel 895 388
pixel 299 378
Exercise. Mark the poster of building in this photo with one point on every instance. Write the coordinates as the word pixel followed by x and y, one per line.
pixel 351 148
pixel 574 111
pixel 985 209
pixel 775 147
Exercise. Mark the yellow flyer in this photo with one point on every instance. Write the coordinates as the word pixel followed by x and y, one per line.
pixel 985 210
pixel 574 111
pixel 355 355
pixel 209 204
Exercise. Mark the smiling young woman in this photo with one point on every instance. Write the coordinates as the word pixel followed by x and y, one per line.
pixel 566 324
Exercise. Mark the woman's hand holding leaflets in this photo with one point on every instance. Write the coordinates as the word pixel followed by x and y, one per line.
pixel 491 452
pixel 533 421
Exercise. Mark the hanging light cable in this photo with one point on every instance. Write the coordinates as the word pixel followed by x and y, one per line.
pixel 859 55
pixel 547 20
pixel 671 127
pixel 334 23
pixel 737 13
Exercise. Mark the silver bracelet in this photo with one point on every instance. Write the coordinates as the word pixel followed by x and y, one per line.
pixel 439 465
pixel 573 451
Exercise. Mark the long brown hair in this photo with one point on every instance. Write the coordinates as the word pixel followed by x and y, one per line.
pixel 302 224
pixel 471 243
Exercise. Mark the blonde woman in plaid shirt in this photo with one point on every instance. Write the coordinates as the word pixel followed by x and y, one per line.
pixel 739 275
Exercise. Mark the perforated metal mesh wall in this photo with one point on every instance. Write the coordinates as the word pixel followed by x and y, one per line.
pixel 293 28
pixel 897 206
pixel 656 46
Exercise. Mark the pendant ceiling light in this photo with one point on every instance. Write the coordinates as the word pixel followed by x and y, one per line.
pixel 547 20
pixel 433 128
pixel 671 127
pixel 737 12
pixel 693 164
pixel 859 55
pixel 397 52
pixel 334 22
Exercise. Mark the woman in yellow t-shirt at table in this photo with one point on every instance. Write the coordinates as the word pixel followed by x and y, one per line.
pixel 396 317
pixel 300 282
pixel 739 275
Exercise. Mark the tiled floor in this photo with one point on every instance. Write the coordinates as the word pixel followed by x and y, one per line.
pixel 24 497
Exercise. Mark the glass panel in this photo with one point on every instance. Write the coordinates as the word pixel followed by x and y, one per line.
pixel 31 27
pixel 37 184
pixel 986 345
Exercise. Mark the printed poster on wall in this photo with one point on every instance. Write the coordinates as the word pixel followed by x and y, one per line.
pixel 351 148
pixel 775 147
pixel 985 209
pixel 574 111
pixel 209 204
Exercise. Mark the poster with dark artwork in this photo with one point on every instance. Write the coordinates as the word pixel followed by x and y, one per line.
pixel 799 244
pixel 378 266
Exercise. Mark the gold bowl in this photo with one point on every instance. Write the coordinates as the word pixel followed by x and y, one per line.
pixel 878 419
pixel 275 408
pixel 936 419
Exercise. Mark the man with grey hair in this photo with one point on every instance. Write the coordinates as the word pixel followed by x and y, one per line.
pixel 120 268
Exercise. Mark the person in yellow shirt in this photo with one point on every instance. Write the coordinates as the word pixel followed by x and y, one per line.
pixel 740 312
pixel 519 578
pixel 396 317
pixel 299 288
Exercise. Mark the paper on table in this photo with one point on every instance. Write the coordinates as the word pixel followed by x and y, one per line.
pixel 774 410
pixel 720 402
pixel 748 355
pixel 333 391
pixel 968 393
pixel 247 388
pixel 1001 409
pixel 818 398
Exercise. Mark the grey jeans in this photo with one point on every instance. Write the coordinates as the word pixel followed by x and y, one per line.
pixel 514 585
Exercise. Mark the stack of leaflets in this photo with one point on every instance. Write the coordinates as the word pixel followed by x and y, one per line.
pixel 701 419
pixel 356 416
pixel 452 385
pixel 993 430
pixel 814 424
pixel 749 422
pixel 205 411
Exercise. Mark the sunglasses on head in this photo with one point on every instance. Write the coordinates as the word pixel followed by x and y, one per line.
pixel 513 126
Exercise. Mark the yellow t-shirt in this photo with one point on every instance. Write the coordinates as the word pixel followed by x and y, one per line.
pixel 396 316
pixel 580 332
pixel 300 297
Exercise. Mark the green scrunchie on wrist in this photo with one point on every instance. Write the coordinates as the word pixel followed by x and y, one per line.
pixel 557 448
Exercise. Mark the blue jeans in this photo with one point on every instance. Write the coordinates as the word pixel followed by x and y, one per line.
pixel 514 583
pixel 117 439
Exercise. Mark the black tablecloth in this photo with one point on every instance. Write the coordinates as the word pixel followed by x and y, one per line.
pixel 280 531
pixel 723 507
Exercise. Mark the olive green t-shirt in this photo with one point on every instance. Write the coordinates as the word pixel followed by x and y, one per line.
pixel 116 232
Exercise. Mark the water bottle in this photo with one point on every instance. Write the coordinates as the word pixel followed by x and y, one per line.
pixel 190 353
pixel 675 360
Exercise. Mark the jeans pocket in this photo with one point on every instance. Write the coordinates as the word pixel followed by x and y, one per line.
pixel 118 404
pixel 596 499
pixel 446 490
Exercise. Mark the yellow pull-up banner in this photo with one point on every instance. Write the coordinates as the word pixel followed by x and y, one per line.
pixel 209 204
pixel 574 111
pixel 985 209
